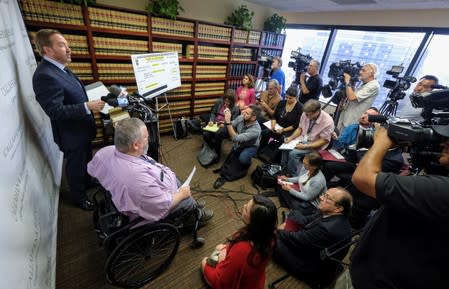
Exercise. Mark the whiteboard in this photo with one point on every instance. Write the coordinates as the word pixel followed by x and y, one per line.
pixel 156 73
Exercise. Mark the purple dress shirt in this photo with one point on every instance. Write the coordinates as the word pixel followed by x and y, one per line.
pixel 138 187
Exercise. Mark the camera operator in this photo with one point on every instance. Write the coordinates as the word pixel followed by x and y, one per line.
pixel 404 245
pixel 360 99
pixel 310 88
pixel 422 88
pixel 278 74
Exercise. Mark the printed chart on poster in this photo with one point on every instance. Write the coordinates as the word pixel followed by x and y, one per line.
pixel 156 73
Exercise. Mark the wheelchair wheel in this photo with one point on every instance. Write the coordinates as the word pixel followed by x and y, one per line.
pixel 143 255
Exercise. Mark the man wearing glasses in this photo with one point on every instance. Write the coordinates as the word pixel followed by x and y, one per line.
pixel 301 238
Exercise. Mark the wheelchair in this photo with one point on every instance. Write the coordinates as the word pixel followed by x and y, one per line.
pixel 137 255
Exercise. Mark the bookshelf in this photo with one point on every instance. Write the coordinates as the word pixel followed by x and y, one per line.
pixel 212 57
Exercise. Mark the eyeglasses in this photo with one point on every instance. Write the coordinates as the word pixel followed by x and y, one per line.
pixel 327 197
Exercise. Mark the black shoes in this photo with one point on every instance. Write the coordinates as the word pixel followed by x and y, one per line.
pixel 216 171
pixel 206 215
pixel 219 182
pixel 87 205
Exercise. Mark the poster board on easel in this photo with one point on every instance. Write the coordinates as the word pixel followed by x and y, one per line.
pixel 156 73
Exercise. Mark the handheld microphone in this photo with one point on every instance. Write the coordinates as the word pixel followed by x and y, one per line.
pixel 118 97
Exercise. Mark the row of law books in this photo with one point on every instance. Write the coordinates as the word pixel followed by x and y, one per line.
pixel 234 84
pixel 212 32
pixel 207 52
pixel 239 69
pixel 240 36
pixel 210 71
pixel 172 27
pixel 167 47
pixel 273 39
pixel 50 11
pixel 117 20
pixel 271 52
pixel 185 70
pixel 243 54
pixel 108 71
pixel 77 43
pixel 83 70
pixel 119 47
pixel 203 105
pixel 185 90
pixel 209 88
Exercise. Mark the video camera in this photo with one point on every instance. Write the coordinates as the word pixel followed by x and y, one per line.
pixel 336 75
pixel 398 86
pixel 436 100
pixel 421 141
pixel 300 63
pixel 265 62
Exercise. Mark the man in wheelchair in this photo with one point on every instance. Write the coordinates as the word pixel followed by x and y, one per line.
pixel 139 186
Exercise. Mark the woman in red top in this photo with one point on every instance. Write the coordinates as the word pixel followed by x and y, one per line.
pixel 246 94
pixel 241 262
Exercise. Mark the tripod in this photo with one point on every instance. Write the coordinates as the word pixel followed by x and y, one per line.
pixel 389 108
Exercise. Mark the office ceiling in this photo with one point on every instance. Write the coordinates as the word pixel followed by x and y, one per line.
pixel 350 5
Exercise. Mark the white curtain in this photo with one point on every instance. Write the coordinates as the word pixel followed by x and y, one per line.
pixel 30 165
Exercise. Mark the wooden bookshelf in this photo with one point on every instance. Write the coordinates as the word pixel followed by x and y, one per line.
pixel 213 57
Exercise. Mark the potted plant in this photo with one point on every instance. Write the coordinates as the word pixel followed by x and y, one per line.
pixel 164 8
pixel 275 23
pixel 241 18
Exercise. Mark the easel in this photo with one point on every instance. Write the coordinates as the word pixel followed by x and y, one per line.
pixel 157 110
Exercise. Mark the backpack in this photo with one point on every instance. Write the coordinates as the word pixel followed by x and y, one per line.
pixel 181 128
pixel 270 153
pixel 265 176
pixel 207 156
pixel 232 169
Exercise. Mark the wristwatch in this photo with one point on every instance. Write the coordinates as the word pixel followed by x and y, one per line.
pixel 227 123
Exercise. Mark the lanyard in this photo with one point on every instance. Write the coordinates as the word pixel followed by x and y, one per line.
pixel 153 162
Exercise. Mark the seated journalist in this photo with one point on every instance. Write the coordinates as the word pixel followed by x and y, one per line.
pixel 404 245
pixel 301 239
pixel 140 187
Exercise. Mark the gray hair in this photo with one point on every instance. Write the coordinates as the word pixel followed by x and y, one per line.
pixel 126 132
pixel 373 68
pixel 273 81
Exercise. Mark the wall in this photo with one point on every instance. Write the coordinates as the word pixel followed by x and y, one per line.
pixel 404 18
pixel 211 10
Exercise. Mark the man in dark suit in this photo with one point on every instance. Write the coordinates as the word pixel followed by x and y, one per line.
pixel 301 238
pixel 63 98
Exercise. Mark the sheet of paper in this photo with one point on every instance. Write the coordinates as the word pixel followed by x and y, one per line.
pixel 95 91
pixel 187 182
pixel 268 125
pixel 289 146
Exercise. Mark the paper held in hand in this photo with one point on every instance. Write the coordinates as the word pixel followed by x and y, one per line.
pixel 268 125
pixel 289 146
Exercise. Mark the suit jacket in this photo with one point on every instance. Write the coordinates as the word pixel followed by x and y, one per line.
pixel 62 97
pixel 300 251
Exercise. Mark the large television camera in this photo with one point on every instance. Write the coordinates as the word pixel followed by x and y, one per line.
pixel 438 100
pixel 336 79
pixel 299 63
pixel 397 89
pixel 400 85
pixel 265 62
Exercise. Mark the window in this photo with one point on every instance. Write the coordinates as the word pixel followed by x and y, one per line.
pixel 435 60
pixel 385 49
pixel 311 41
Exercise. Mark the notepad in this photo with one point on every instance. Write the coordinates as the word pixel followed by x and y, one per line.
pixel 289 146
pixel 211 128
pixel 268 125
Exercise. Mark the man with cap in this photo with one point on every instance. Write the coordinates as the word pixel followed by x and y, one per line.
pixel 404 245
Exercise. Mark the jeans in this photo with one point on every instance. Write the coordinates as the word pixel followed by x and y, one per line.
pixel 246 155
